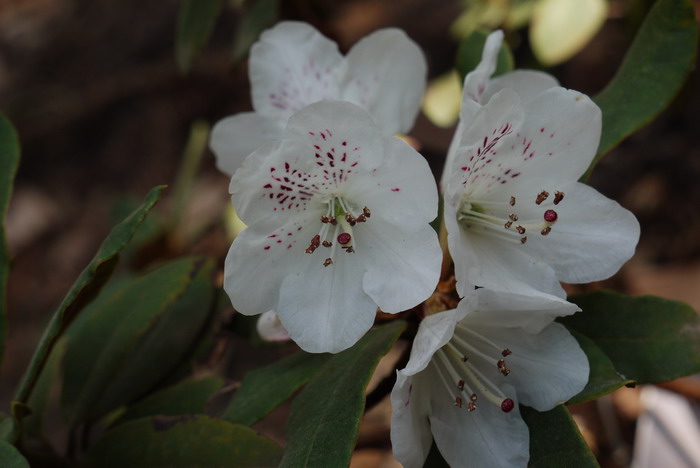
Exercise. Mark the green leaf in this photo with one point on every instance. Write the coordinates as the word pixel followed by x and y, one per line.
pixel 9 161
pixel 40 397
pixel 261 14
pixel 257 397
pixel 182 442
pixel 603 378
pixel 196 19
pixel 10 456
pixel 123 348
pixel 651 74
pixel 648 339
pixel 555 441
pixel 471 49
pixel 84 290
pixel 325 417
pixel 187 397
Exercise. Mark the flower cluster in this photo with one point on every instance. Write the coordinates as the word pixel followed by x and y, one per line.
pixel 338 214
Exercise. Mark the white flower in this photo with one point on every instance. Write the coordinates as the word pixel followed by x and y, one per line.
pixel 469 369
pixel 293 65
pixel 479 87
pixel 337 219
pixel 270 328
pixel 517 218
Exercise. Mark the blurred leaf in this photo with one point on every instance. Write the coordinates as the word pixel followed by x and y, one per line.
pixel 196 19
pixel 603 378
pixel 140 333
pixel 182 442
pixel 260 15
pixel 10 456
pixel 651 74
pixel 487 14
pixel 471 49
pixel 187 397
pixel 39 399
pixel 442 99
pixel 519 14
pixel 325 417
pixel 84 290
pixel 561 28
pixel 648 339
pixel 257 396
pixel 555 441
pixel 9 161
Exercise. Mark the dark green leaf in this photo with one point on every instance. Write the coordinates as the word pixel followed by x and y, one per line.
pixel 196 19
pixel 187 397
pixel 10 457
pixel 555 441
pixel 326 415
pixel 40 397
pixel 84 290
pixel 603 378
pixel 182 442
pixel 648 339
pixel 260 15
pixel 471 49
pixel 124 346
pixel 257 396
pixel 9 161
pixel 655 67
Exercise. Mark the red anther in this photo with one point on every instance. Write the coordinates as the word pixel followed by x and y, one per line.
pixel 344 238
pixel 507 405
pixel 550 216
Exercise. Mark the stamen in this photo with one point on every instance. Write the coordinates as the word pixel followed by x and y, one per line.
pixel 471 406
pixel 350 219
pixel 315 242
pixel 367 213
pixel 520 229
pixel 558 196
pixel 542 196
pixel 506 352
pixel 326 243
pixel 550 216
pixel 458 402
pixel 327 262
pixel 508 224
pixel 325 219
pixel 501 364
pixel 546 231
pixel 460 385
pixel 523 240
pixel 361 219
pixel 512 200
pixel 513 217
pixel 334 221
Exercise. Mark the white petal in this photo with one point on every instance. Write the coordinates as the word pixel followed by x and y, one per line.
pixel 292 66
pixel 486 437
pixel 403 266
pixel 410 428
pixel 270 328
pixel 402 190
pixel 547 368
pixel 592 238
pixel 526 83
pixel 433 333
pixel 476 81
pixel 387 76
pixel 447 170
pixel 324 308
pixel 235 137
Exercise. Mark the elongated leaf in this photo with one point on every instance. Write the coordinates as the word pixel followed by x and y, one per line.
pixel 260 15
pixel 84 290
pixel 262 390
pixel 182 442
pixel 654 69
pixel 648 339
pixel 121 349
pixel 9 161
pixel 196 19
pixel 555 441
pixel 326 415
pixel 10 456
pixel 187 397
pixel 603 378
pixel 471 49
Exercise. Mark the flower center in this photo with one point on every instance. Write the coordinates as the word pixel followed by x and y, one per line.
pixel 459 362
pixel 337 225
pixel 497 218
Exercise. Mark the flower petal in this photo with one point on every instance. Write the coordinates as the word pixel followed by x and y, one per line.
pixel 237 136
pixel 410 428
pixel 292 66
pixel 591 239
pixel 526 83
pixel 270 328
pixel 477 80
pixel 387 76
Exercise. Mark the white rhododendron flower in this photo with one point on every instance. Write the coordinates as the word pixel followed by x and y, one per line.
pixel 337 219
pixel 270 327
pixel 517 218
pixel 293 65
pixel 479 87
pixel 469 369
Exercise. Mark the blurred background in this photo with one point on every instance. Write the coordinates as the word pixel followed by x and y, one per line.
pixel 104 113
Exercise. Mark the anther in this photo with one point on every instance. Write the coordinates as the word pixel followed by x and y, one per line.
pixel 349 249
pixel 344 238
pixel 507 405
pixel 513 217
pixel 542 196
pixel 465 358
pixel 558 196
pixel 349 218
pixel 508 224
pixel 520 229
pixel 473 397
pixel 550 216
pixel 327 243
pixel 334 221
pixel 458 402
pixel 506 352
pixel 367 213
pixel 328 261
pixel 361 219
pixel 471 406
pixel 512 200
pixel 502 367
pixel 523 239
pixel 315 242
pixel 546 231
pixel 460 385
pixel 325 219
